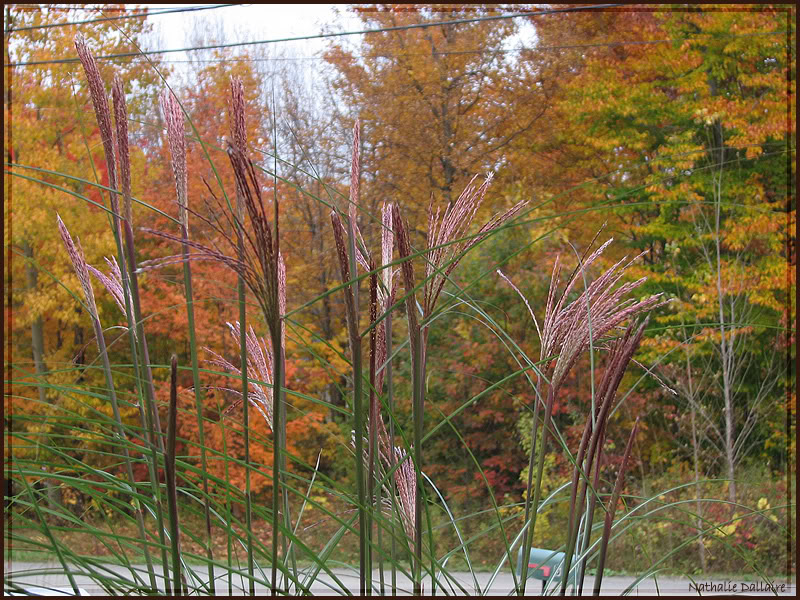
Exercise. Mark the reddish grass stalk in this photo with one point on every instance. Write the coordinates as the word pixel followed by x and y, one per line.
pixel 373 410
pixel 621 354
pixel 587 529
pixel 381 443
pixel 110 141
pixel 173 116
pixel 418 401
pixel 237 117
pixel 82 269
pixel 171 476
pixel 351 313
pixel 612 507
pixel 528 539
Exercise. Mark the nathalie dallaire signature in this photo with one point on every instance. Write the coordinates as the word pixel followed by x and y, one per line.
pixel 742 586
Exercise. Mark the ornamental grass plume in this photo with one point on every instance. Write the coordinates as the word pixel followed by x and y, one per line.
pixel 258 263
pixel 406 481
pixel 447 244
pixel 568 330
pixel 123 150
pixel 101 111
pixel 173 117
pixel 113 284
pixel 344 267
pixel 259 361
pixel 78 260
pixel 446 241
pixel 257 266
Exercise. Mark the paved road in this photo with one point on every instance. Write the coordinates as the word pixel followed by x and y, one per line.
pixel 47 576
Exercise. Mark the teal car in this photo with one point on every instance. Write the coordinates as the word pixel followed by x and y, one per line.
pixel 546 565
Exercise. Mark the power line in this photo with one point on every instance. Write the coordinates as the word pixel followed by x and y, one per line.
pixel 481 51
pixel 325 35
pixel 118 17
pixel 66 7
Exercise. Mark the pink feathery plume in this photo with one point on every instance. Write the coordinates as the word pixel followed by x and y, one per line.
pixel 123 151
pixel 112 282
pixel 102 113
pixel 173 117
pixel 259 361
pixel 78 260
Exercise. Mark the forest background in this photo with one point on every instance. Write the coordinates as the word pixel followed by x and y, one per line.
pixel 671 130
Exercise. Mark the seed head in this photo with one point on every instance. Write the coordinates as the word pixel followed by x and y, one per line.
pixel 102 113
pixel 173 117
pixel 123 151
pixel 78 260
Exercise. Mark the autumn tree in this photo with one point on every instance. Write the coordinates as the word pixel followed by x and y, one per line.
pixel 437 104
pixel 687 137
pixel 53 156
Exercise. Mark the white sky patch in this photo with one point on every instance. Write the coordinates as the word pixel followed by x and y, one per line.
pixel 243 23
pixel 277 21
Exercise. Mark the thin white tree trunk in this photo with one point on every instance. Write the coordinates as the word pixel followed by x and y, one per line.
pixel 726 337
pixel 701 548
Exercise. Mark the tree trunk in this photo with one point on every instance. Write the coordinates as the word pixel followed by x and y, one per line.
pixel 726 342
pixel 701 548
pixel 37 327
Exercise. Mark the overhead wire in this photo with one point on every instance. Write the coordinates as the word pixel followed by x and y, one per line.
pixel 326 35
pixel 480 51
pixel 118 17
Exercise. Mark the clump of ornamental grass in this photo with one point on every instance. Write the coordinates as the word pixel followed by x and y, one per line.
pixel 382 457
pixel 254 256
pixel 115 147
pixel 383 292
pixel 116 150
pixel 447 243
pixel 82 269
pixel 253 253
pixel 173 118
pixel 348 259
pixel 569 329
